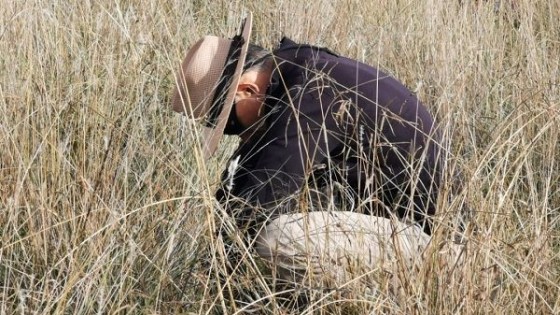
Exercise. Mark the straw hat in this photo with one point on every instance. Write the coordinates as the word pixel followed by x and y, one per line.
pixel 207 82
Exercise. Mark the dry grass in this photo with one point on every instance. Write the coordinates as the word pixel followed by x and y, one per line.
pixel 95 170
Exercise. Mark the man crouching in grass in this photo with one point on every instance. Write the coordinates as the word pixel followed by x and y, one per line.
pixel 339 164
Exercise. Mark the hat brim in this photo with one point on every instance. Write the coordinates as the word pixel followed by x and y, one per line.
pixel 212 136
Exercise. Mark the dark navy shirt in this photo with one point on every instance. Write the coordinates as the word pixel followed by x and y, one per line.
pixel 335 124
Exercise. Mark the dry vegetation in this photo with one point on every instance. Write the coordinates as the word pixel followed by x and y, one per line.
pixel 95 170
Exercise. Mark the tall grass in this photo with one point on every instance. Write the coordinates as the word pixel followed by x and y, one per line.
pixel 106 203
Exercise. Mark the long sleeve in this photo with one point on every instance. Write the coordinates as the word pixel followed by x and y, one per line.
pixel 301 133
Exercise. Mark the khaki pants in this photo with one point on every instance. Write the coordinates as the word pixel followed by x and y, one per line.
pixel 336 249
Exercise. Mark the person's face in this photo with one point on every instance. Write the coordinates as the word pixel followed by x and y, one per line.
pixel 250 96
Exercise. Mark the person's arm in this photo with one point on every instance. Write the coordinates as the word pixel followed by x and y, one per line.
pixel 301 133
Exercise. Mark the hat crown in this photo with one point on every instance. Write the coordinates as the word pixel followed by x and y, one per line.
pixel 201 70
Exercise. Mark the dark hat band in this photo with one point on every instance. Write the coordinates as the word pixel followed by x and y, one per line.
pixel 225 81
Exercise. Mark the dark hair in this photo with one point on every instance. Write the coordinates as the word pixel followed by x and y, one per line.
pixel 257 59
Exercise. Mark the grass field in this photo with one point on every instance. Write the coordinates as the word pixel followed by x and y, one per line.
pixel 106 203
